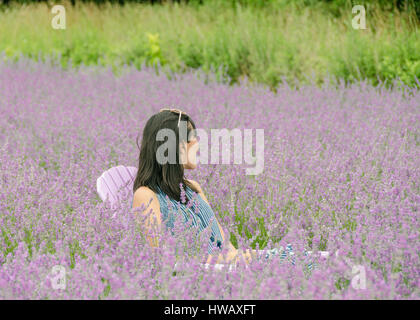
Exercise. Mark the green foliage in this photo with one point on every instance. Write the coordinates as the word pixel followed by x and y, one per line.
pixel 262 237
pixel 153 53
pixel 405 68
pixel 350 225
pixel 50 247
pixel 9 245
pixel 266 41
pixel 107 289
pixel 74 249
pixel 191 54
pixel 261 233
pixel 28 239
pixel 342 283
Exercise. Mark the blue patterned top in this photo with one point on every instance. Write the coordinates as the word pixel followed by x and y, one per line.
pixel 202 219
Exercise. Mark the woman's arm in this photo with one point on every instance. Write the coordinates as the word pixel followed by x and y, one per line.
pixel 141 197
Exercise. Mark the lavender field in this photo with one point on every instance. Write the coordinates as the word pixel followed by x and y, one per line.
pixel 341 172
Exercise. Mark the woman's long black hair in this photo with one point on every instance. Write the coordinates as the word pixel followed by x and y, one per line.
pixel 150 172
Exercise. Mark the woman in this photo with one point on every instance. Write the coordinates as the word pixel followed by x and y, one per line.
pixel 157 182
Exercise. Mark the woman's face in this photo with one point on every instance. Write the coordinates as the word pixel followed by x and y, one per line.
pixel 190 162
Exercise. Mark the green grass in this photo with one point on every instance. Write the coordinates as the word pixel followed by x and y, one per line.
pixel 265 44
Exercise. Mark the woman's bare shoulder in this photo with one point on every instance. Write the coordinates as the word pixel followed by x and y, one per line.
pixel 143 195
pixel 144 189
pixel 200 191
pixel 196 185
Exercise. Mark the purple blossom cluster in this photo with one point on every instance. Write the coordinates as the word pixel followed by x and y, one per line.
pixel 341 172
